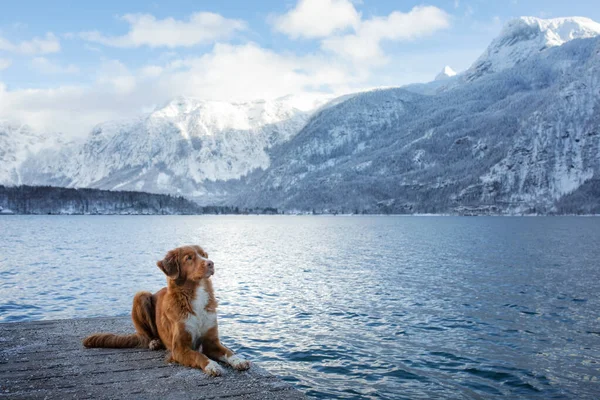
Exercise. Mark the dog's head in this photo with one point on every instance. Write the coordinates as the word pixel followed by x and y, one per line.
pixel 187 263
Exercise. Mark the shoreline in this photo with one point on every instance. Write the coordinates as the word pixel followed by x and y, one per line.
pixel 305 215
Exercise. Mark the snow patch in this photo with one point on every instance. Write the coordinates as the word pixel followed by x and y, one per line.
pixel 445 74
pixel 162 179
pixel 524 37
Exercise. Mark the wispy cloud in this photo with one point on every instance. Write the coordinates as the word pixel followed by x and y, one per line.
pixel 5 63
pixel 45 66
pixel 348 54
pixel 228 72
pixel 365 44
pixel 46 45
pixel 317 18
pixel 146 30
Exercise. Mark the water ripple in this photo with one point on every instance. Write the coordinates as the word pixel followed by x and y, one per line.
pixel 362 307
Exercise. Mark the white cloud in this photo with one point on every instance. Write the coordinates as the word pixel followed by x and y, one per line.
pixel 92 48
pixel 146 30
pixel 228 72
pixel 48 109
pixel 249 71
pixel 75 109
pixel 326 18
pixel 45 66
pixel 5 63
pixel 45 45
pixel 150 71
pixel 317 18
pixel 364 44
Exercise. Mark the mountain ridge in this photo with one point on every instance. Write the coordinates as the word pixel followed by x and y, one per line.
pixel 521 119
pixel 527 135
pixel 176 148
pixel 525 37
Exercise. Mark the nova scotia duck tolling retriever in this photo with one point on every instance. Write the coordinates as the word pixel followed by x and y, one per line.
pixel 181 317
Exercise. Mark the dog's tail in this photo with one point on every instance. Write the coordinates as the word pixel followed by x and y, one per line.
pixel 110 340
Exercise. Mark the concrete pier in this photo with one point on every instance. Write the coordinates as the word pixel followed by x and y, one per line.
pixel 46 360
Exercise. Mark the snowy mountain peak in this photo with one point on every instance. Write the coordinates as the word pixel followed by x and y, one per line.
pixel 446 73
pixel 546 32
pixel 205 117
pixel 524 37
pixel 180 147
pixel 178 105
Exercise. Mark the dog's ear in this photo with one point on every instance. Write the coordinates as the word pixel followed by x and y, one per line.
pixel 170 264
pixel 201 251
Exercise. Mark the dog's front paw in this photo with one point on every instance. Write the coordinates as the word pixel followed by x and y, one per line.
pixel 155 344
pixel 238 363
pixel 213 369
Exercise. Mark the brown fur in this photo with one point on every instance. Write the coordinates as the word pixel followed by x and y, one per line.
pixel 159 318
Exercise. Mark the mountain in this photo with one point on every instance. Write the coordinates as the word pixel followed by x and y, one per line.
pixel 518 132
pixel 183 147
pixel 515 137
pixel 445 74
pixel 527 37
pixel 18 143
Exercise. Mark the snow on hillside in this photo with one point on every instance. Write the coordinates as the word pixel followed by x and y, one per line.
pixel 526 37
pixel 18 143
pixel 178 147
pixel 515 140
pixel 516 131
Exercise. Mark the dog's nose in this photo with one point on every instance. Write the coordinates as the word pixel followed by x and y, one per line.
pixel 210 264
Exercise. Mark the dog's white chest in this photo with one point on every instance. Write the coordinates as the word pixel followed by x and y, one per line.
pixel 197 325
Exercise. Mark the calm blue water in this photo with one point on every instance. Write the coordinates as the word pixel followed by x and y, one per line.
pixel 364 307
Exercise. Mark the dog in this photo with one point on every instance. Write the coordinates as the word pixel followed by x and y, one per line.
pixel 181 317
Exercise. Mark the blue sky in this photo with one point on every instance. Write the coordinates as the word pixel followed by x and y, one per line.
pixel 66 65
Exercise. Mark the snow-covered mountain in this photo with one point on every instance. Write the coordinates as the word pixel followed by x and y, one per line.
pixel 527 37
pixel 19 143
pixel 519 131
pixel 519 137
pixel 180 148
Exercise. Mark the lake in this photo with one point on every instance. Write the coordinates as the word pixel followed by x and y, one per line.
pixel 347 307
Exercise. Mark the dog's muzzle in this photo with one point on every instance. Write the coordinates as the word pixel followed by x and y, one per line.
pixel 210 267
